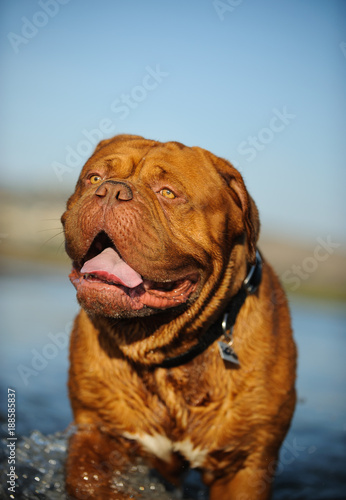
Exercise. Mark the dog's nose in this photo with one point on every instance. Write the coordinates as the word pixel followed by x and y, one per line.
pixel 113 191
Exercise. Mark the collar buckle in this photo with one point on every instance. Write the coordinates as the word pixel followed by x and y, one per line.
pixel 250 285
pixel 254 276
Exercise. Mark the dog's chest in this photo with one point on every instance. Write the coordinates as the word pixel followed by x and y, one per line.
pixel 181 410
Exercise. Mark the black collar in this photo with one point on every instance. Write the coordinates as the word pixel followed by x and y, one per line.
pixel 225 322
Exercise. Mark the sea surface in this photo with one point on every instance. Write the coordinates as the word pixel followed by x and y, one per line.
pixel 36 313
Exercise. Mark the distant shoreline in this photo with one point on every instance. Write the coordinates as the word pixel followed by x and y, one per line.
pixel 31 237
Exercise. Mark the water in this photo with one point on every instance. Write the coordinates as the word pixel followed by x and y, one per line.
pixel 36 314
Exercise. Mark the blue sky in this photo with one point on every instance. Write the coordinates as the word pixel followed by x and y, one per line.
pixel 259 83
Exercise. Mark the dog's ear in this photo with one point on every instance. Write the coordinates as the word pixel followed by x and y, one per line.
pixel 250 213
pixel 240 195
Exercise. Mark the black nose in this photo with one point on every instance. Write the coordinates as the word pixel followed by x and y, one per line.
pixel 114 191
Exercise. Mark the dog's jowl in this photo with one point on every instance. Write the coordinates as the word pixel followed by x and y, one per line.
pixel 182 352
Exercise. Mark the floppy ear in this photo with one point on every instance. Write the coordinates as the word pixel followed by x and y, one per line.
pixel 250 213
pixel 242 198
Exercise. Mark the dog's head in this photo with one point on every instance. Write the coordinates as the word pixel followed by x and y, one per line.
pixel 155 226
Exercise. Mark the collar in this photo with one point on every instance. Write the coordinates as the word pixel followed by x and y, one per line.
pixel 224 325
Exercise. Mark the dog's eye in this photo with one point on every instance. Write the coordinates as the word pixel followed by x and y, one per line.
pixel 95 179
pixel 167 193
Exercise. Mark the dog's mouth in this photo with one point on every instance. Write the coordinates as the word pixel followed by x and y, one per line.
pixel 103 269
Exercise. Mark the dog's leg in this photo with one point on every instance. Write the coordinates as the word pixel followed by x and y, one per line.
pixel 92 461
pixel 247 484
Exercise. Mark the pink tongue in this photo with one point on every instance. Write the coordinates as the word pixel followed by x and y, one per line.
pixel 109 265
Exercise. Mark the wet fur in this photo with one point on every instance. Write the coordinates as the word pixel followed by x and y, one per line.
pixel 228 422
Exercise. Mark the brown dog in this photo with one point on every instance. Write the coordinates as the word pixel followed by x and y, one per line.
pixel 163 243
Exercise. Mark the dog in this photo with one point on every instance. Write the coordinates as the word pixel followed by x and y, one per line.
pixel 182 352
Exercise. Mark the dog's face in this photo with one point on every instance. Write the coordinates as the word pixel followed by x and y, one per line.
pixel 152 226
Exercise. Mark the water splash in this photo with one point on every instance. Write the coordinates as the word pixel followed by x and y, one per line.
pixel 40 462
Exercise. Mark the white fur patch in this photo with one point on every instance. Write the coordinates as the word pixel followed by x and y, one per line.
pixel 157 445
pixel 163 448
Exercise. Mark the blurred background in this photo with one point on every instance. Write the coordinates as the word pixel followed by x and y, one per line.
pixel 259 83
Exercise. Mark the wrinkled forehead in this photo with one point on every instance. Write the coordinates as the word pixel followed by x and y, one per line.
pixel 118 158
pixel 178 163
pixel 146 159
